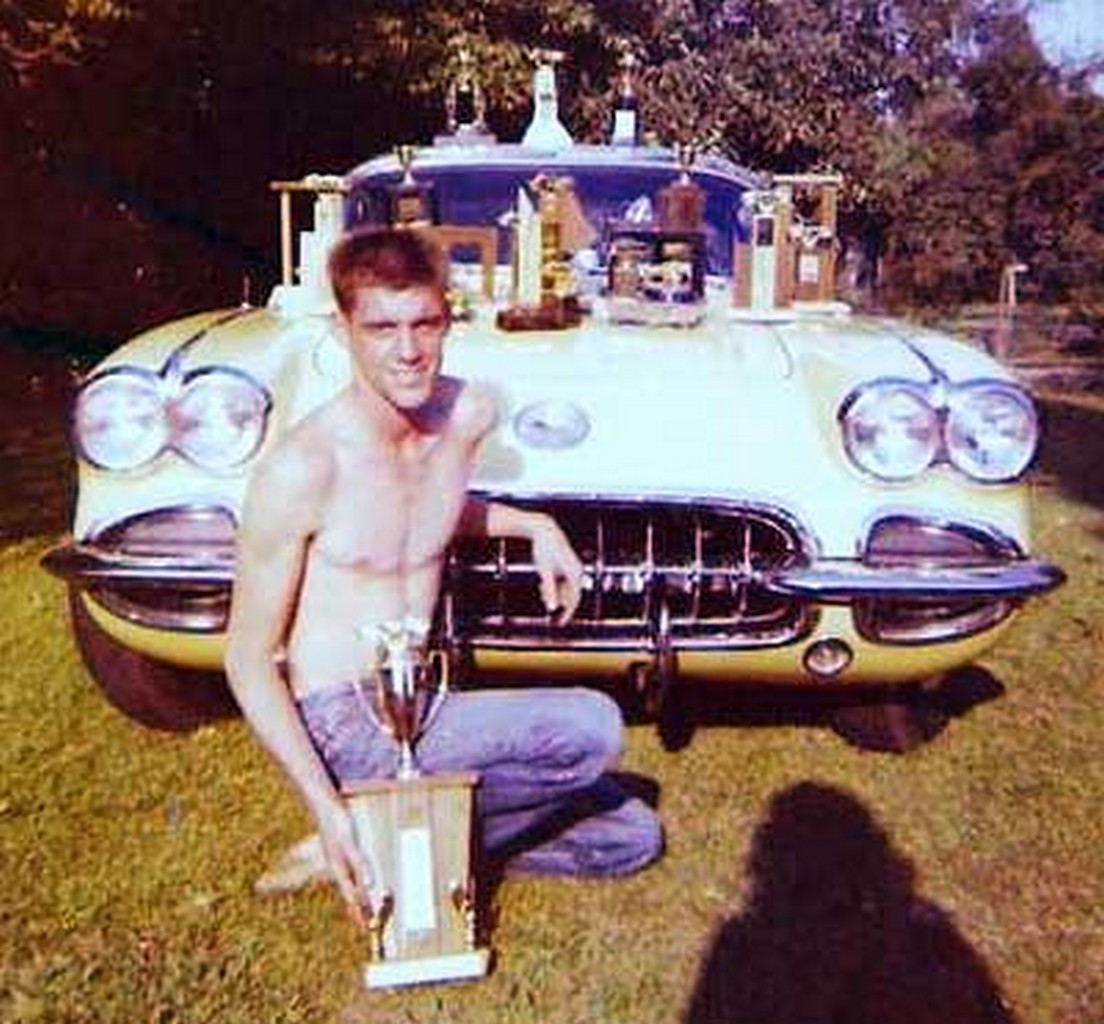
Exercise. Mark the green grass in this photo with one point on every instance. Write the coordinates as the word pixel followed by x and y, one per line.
pixel 128 856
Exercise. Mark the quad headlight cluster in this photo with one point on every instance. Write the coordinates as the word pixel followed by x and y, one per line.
pixel 896 429
pixel 126 417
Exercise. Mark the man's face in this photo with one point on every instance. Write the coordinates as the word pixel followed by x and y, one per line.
pixel 395 340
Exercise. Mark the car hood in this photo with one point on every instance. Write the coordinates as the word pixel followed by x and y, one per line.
pixel 729 410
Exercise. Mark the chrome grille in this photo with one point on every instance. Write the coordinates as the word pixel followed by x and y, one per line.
pixel 911 541
pixel 172 543
pixel 195 532
pixel 690 574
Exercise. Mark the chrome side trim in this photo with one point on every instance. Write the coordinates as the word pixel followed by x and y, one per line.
pixel 839 580
pixel 173 364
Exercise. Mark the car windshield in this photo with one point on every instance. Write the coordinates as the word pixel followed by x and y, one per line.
pixel 609 196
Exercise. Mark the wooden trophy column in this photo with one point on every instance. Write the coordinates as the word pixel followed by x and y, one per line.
pixel 415 835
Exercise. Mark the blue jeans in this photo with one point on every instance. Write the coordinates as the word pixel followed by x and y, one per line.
pixel 545 802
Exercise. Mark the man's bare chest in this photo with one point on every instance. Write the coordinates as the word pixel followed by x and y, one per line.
pixel 393 516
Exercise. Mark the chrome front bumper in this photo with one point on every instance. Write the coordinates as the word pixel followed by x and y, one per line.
pixel 162 592
pixel 119 580
pixel 93 565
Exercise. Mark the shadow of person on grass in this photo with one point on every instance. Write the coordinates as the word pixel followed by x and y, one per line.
pixel 833 932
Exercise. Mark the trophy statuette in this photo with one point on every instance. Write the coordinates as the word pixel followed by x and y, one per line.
pixel 414 831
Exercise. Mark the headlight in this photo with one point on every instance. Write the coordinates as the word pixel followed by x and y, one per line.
pixel 127 416
pixel 120 421
pixel 219 418
pixel 991 431
pixel 890 429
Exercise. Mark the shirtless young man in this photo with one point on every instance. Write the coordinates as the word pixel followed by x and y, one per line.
pixel 345 525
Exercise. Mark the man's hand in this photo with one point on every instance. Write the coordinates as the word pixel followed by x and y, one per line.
pixel 347 864
pixel 557 565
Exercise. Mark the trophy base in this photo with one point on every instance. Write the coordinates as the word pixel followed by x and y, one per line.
pixel 428 970
pixel 415 834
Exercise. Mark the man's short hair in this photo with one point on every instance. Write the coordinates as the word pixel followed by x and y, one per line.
pixel 384 258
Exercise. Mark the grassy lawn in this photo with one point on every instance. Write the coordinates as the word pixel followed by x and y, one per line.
pixel 801 875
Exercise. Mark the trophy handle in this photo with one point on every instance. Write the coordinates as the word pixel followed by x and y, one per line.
pixel 439 661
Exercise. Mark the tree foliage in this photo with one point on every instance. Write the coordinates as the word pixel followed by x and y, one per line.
pixel 143 134
pixel 37 36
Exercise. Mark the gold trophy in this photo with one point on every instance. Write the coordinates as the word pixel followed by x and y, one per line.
pixel 465 106
pixel 411 203
pixel 415 831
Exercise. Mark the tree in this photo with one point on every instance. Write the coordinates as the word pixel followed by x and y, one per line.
pixel 144 134
pixel 1008 174
pixel 1042 135
pixel 791 85
pixel 36 36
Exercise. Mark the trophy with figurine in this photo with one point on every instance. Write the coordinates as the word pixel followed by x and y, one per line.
pixel 411 203
pixel 415 831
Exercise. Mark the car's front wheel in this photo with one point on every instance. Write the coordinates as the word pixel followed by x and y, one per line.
pixel 153 693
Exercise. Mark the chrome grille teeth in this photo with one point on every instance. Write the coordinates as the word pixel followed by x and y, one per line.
pixel 700 567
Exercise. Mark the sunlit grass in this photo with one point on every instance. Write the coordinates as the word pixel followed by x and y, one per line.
pixel 128 856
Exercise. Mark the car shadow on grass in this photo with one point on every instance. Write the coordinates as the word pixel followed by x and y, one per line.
pixel 832 930
pixel 1072 448
pixel 874 718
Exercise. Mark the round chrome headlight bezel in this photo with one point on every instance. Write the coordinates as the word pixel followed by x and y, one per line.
pixel 890 429
pixel 219 417
pixel 126 417
pixel 987 429
pixel 990 431
pixel 120 420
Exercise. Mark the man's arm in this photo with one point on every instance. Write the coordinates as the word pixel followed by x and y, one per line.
pixel 270 558
pixel 557 565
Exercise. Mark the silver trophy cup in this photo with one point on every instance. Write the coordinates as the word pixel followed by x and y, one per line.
pixel 406 689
